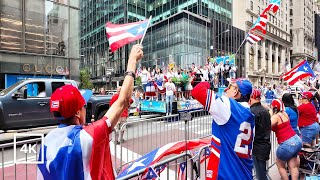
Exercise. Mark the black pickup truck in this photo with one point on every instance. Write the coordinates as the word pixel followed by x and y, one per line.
pixel 26 104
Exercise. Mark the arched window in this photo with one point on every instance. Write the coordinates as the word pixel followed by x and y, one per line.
pixel 267 62
pixel 259 59
pixel 251 59
pixel 273 63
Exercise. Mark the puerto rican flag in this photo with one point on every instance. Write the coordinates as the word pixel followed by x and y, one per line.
pixel 122 34
pixel 252 38
pixel 182 171
pixel 273 5
pixel 301 71
pixel 261 23
pixel 142 163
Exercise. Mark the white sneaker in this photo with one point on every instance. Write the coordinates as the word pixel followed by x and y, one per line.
pixel 170 114
pixel 167 114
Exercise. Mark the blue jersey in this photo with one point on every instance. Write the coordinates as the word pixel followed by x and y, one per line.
pixel 232 138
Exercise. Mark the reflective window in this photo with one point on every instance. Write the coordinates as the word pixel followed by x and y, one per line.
pixel 11 25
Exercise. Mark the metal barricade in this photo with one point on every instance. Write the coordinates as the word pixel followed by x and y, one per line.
pixel 171 170
pixel 145 135
pixel 274 146
pixel 11 170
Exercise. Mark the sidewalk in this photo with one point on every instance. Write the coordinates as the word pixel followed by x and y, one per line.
pixel 274 173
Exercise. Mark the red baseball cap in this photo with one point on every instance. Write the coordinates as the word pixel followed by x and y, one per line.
pixel 67 100
pixel 256 94
pixel 306 95
pixel 276 103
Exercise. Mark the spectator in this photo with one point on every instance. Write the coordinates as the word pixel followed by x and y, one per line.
pixel 289 142
pixel 261 143
pixel 232 129
pixel 42 90
pixel 123 117
pixel 144 80
pixel 102 91
pixel 233 71
pixel 292 111
pixel 269 95
pixel 72 151
pixel 307 121
pixel 170 89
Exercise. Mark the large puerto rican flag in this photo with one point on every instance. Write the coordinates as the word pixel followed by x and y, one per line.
pixel 273 5
pixel 301 71
pixel 122 34
pixel 158 154
pixel 261 24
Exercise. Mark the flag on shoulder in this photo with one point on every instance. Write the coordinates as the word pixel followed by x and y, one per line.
pixel 122 34
pixel 299 72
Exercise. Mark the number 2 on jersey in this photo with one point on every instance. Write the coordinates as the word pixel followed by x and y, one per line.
pixel 243 141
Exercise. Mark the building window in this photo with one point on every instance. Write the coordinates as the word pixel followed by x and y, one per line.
pixel 259 9
pixel 251 5
pixel 252 19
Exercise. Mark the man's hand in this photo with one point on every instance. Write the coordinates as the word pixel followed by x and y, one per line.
pixel 136 53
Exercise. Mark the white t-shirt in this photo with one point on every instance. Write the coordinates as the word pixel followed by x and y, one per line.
pixel 144 77
pixel 170 87
pixel 205 74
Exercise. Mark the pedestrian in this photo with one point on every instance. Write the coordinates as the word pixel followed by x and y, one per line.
pixel 232 129
pixel 74 151
pixel 308 121
pixel 123 117
pixel 170 90
pixel 269 95
pixel 292 111
pixel 261 144
pixel 289 142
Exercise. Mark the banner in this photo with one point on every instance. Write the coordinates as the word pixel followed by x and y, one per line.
pixel 153 106
pixel 231 58
pixel 189 105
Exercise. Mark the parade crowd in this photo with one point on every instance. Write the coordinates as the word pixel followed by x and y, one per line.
pixel 241 124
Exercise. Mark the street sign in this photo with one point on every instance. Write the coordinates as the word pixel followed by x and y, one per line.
pixel 110 69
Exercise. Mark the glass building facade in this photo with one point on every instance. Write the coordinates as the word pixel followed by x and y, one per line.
pixel 39 37
pixel 180 31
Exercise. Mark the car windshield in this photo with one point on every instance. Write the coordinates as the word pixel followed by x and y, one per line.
pixel 6 91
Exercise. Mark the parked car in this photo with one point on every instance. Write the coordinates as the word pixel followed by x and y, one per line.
pixel 26 104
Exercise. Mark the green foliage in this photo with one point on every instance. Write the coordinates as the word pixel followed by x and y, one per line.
pixel 176 81
pixel 85 82
pixel 184 79
pixel 138 81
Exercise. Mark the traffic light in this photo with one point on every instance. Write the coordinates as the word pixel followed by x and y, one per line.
pixel 111 55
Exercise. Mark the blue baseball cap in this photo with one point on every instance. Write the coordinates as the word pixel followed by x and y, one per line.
pixel 245 86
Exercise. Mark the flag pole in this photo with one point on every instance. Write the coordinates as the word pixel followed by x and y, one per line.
pixel 146 30
pixel 241 44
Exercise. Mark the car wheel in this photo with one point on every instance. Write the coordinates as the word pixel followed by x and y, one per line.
pixel 101 114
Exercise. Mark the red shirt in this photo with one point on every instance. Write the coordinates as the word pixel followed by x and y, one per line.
pixel 307 115
pixel 126 110
pixel 283 131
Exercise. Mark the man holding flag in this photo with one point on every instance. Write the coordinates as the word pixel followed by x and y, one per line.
pixel 74 151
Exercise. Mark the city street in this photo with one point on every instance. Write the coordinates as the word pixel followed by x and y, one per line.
pixel 142 136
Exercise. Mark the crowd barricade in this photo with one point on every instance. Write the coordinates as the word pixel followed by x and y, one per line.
pixel 170 168
pixel 144 135
pixel 19 169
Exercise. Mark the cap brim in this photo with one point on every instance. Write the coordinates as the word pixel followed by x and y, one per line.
pixel 86 94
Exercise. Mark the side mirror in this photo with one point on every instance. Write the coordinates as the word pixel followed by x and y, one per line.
pixel 17 95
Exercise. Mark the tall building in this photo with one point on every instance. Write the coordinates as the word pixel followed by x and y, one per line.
pixel 303 31
pixel 38 38
pixel 264 61
pixel 180 31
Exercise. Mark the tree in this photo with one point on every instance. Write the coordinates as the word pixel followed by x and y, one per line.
pixel 85 82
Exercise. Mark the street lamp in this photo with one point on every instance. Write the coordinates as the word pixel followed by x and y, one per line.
pixel 212 46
